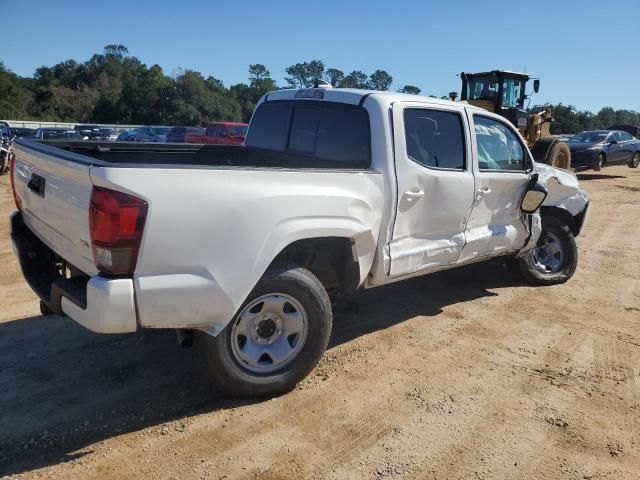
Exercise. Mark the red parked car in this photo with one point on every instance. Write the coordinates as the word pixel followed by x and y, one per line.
pixel 223 133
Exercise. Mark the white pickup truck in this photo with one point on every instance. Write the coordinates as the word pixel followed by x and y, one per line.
pixel 335 190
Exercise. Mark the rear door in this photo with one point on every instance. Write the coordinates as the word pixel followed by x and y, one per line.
pixel 627 146
pixel 502 171
pixel 435 187
pixel 54 189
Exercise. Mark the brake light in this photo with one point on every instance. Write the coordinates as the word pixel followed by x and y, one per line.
pixel 116 223
pixel 12 164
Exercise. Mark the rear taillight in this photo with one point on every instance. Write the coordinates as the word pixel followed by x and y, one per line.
pixel 116 222
pixel 12 164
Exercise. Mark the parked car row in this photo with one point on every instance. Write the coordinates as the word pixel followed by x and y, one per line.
pixel 222 133
pixel 225 133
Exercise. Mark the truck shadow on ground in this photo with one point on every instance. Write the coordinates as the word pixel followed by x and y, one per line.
pixel 65 388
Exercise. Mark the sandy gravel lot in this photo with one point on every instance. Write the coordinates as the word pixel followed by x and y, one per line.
pixel 464 374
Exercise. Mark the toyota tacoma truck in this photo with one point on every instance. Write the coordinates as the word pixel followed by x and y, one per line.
pixel 334 190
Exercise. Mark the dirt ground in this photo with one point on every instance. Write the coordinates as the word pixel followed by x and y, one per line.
pixel 463 374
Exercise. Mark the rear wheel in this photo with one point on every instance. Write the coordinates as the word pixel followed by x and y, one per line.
pixel 598 162
pixel 3 165
pixel 553 260
pixel 635 161
pixel 276 339
pixel 560 156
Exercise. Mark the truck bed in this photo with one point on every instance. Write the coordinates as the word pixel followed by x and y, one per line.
pixel 180 155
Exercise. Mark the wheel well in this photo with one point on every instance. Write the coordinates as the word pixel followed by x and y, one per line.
pixel 331 259
pixel 562 215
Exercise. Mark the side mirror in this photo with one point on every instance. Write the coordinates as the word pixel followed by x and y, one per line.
pixel 534 196
pixel 536 85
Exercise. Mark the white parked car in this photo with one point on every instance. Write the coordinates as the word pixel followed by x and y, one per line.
pixel 335 190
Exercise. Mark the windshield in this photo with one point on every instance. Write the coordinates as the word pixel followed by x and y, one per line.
pixel 588 137
pixel 487 87
pixel 238 130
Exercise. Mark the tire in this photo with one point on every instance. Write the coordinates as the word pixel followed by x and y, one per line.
pixel 292 299
pixel 560 156
pixel 635 161
pixel 598 162
pixel 555 257
pixel 3 165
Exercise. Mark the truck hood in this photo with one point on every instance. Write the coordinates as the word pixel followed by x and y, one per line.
pixel 563 187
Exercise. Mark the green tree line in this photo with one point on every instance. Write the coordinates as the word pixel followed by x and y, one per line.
pixel 116 87
pixel 567 119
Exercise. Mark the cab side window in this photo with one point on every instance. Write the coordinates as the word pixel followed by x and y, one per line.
pixel 499 148
pixel 222 131
pixel 435 138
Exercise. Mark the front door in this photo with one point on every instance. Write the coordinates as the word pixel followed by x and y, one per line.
pixel 435 187
pixel 614 148
pixel 496 223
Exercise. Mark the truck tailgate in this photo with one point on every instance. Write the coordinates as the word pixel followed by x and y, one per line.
pixel 54 193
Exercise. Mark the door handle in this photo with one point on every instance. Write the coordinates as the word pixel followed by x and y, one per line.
pixel 481 192
pixel 411 195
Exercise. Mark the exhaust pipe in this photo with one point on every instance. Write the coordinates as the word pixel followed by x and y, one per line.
pixel 185 338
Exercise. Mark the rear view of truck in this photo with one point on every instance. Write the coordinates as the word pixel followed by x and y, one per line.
pixel 235 246
pixel 61 248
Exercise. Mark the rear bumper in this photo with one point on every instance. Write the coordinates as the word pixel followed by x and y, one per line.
pixel 100 304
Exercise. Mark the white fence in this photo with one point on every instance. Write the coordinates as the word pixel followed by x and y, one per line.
pixel 39 124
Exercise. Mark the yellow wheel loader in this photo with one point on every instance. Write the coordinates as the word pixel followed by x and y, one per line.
pixel 503 92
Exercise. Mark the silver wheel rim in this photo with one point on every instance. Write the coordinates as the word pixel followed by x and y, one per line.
pixel 269 333
pixel 548 257
pixel 636 160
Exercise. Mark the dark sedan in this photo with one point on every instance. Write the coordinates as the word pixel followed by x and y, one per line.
pixel 21 132
pixel 603 147
pixel 145 134
pixel 56 134
pixel 177 134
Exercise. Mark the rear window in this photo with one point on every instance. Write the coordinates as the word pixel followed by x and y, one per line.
pixel 335 132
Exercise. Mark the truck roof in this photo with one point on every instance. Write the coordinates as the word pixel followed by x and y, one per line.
pixel 353 96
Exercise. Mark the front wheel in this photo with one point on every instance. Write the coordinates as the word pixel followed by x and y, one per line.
pixel 553 260
pixel 598 162
pixel 275 340
pixel 635 161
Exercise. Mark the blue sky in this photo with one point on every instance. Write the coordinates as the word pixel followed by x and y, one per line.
pixel 585 52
